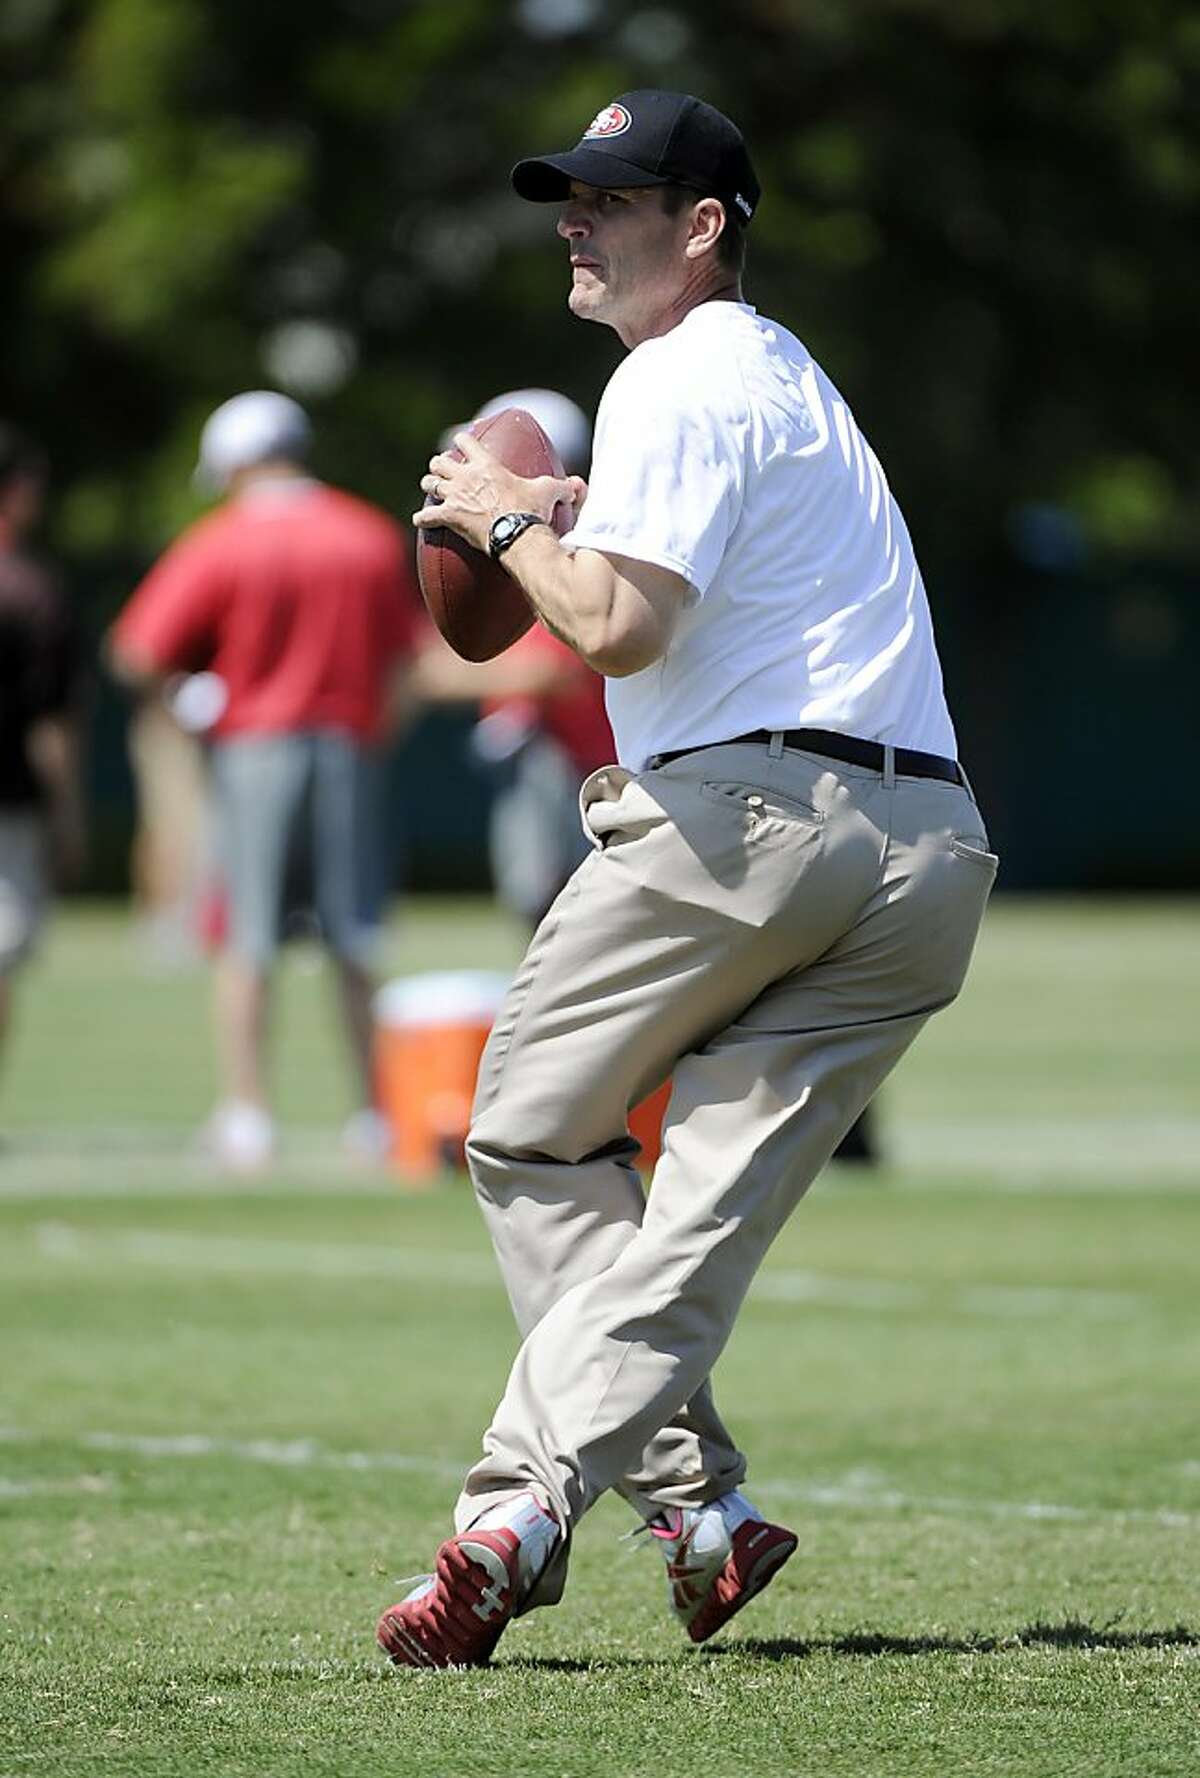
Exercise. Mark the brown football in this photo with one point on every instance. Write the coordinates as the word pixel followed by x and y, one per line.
pixel 475 603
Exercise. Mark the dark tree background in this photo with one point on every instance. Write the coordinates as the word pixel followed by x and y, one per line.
pixel 980 214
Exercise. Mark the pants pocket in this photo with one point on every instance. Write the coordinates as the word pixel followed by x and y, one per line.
pixel 975 852
pixel 613 803
pixel 760 801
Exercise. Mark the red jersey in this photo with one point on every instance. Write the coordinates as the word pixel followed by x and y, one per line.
pixel 301 597
pixel 574 715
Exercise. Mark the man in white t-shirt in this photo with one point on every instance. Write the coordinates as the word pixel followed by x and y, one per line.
pixel 788 877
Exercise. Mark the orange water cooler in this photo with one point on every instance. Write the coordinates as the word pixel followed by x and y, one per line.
pixel 430 1030
pixel 429 1035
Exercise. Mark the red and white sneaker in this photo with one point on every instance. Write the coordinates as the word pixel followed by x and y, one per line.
pixel 457 1615
pixel 718 1557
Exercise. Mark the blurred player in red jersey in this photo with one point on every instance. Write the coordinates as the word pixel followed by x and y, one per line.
pixel 300 600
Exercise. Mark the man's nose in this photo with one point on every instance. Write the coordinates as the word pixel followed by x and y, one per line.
pixel 573 223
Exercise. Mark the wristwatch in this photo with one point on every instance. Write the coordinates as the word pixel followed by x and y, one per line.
pixel 507 528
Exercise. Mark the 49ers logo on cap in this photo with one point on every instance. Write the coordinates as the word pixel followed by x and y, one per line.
pixel 614 120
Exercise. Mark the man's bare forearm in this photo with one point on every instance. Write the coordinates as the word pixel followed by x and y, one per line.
pixel 616 614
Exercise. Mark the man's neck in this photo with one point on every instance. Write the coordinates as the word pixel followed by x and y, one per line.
pixel 708 287
pixel 265 476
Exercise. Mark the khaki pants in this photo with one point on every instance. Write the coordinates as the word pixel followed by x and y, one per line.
pixel 773 928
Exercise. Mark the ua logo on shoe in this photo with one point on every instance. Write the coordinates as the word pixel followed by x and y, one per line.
pixel 491 1599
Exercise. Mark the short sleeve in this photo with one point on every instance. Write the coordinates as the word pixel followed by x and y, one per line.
pixel 667 468
pixel 171 621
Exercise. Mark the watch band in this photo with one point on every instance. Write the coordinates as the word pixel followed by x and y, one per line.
pixel 505 530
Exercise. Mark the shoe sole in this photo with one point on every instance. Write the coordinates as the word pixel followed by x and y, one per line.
pixel 453 1563
pixel 399 1646
pixel 706 1623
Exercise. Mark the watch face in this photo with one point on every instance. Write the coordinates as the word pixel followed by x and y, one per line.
pixel 508 527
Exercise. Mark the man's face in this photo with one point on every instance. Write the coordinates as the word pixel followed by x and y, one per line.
pixel 21 500
pixel 628 264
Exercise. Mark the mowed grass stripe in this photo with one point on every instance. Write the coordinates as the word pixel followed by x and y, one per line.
pixel 243 1254
pixel 1097 1153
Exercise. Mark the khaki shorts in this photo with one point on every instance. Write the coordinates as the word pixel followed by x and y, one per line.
pixel 314 796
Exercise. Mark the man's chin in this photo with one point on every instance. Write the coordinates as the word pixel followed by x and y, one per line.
pixel 586 302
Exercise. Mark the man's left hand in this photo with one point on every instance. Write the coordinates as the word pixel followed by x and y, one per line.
pixel 469 493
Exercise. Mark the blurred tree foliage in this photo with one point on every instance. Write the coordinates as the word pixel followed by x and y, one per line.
pixel 981 214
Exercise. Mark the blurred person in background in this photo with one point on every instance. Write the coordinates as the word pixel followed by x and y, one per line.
pixel 296 602
pixel 543 728
pixel 41 802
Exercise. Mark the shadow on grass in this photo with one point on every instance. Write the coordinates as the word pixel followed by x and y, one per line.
pixel 868 1643
pixel 854 1644
pixel 1071 1634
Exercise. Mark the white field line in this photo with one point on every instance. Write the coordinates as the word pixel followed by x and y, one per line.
pixel 1009 1301
pixel 233 1254
pixel 229 1253
pixel 297 1453
pixel 858 1490
pixel 871 1493
pixel 75 1484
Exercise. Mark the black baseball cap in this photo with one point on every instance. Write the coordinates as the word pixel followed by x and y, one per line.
pixel 650 138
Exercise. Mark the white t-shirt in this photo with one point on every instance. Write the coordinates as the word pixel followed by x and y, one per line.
pixel 724 452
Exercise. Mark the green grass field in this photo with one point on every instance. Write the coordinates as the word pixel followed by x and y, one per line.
pixel 232 1416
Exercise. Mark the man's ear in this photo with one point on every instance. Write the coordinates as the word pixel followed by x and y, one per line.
pixel 707 225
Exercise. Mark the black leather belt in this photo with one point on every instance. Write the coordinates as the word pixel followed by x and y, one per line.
pixel 909 762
